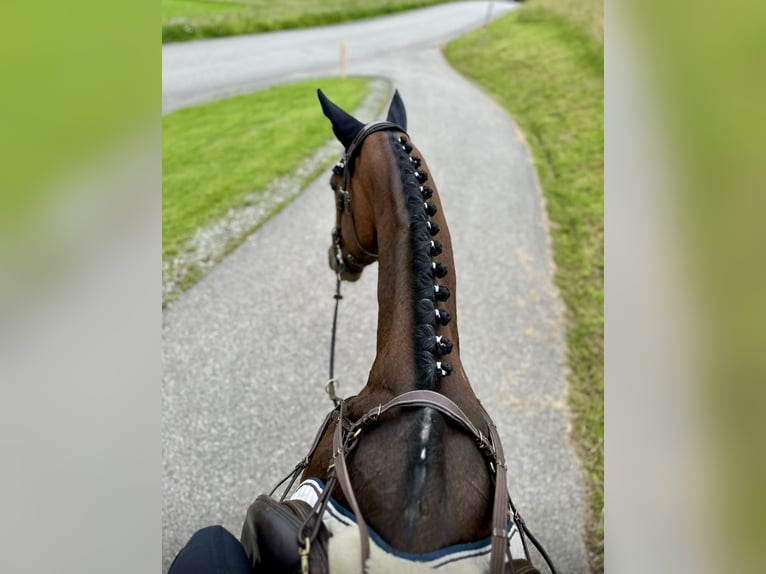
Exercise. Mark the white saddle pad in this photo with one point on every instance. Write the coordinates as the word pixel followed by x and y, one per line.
pixel 344 550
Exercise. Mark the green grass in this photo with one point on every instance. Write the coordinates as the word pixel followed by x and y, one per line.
pixel 180 8
pixel 195 19
pixel 705 69
pixel 585 14
pixel 547 71
pixel 215 155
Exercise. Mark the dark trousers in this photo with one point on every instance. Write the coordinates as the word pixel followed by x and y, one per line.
pixel 212 550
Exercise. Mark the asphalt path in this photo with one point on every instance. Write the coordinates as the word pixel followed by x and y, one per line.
pixel 194 72
pixel 245 350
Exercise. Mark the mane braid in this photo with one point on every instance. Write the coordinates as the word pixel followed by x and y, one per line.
pixel 425 271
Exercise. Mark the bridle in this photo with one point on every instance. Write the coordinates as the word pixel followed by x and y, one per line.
pixel 346 261
pixel 346 433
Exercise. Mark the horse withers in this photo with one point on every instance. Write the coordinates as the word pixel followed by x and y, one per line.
pixel 408 474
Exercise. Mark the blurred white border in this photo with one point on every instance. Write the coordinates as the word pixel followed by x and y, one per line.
pixel 80 372
pixel 658 517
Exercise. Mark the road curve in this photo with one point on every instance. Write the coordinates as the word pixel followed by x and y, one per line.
pixel 245 349
pixel 195 72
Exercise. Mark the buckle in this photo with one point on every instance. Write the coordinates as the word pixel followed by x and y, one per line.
pixel 340 263
pixel 331 391
pixel 374 416
pixel 342 199
pixel 305 552
pixel 338 168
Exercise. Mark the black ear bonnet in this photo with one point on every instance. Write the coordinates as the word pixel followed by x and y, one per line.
pixel 345 126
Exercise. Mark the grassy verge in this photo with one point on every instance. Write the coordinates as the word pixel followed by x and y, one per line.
pixel 220 155
pixel 196 19
pixel 547 71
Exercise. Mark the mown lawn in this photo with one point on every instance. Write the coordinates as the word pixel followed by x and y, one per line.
pixel 176 8
pixel 195 19
pixel 215 155
pixel 547 71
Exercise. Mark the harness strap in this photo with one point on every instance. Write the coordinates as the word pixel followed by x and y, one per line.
pixel 423 398
pixel 309 530
pixel 304 463
pixel 500 506
pixel 524 529
pixel 341 472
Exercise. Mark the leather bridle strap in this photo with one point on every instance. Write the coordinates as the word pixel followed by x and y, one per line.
pixel 341 472
pixel 356 144
pixel 500 506
pixel 423 398
pixel 344 196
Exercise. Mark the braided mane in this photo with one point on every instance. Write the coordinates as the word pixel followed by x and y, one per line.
pixel 429 347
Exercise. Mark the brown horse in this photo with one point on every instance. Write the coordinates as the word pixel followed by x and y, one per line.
pixel 409 471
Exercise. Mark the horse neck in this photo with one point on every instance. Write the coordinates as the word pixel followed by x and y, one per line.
pixel 394 195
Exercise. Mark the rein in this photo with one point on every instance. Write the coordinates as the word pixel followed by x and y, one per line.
pixel 332 382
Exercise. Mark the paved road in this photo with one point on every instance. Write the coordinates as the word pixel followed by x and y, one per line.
pixel 245 350
pixel 194 72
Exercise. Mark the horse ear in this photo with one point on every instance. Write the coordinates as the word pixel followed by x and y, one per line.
pixel 344 126
pixel 396 112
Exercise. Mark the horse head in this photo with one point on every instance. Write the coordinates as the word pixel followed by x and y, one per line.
pixel 354 237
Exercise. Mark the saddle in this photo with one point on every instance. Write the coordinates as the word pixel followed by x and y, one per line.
pixel 270 536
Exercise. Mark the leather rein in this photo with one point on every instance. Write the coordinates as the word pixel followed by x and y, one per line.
pixel 346 433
